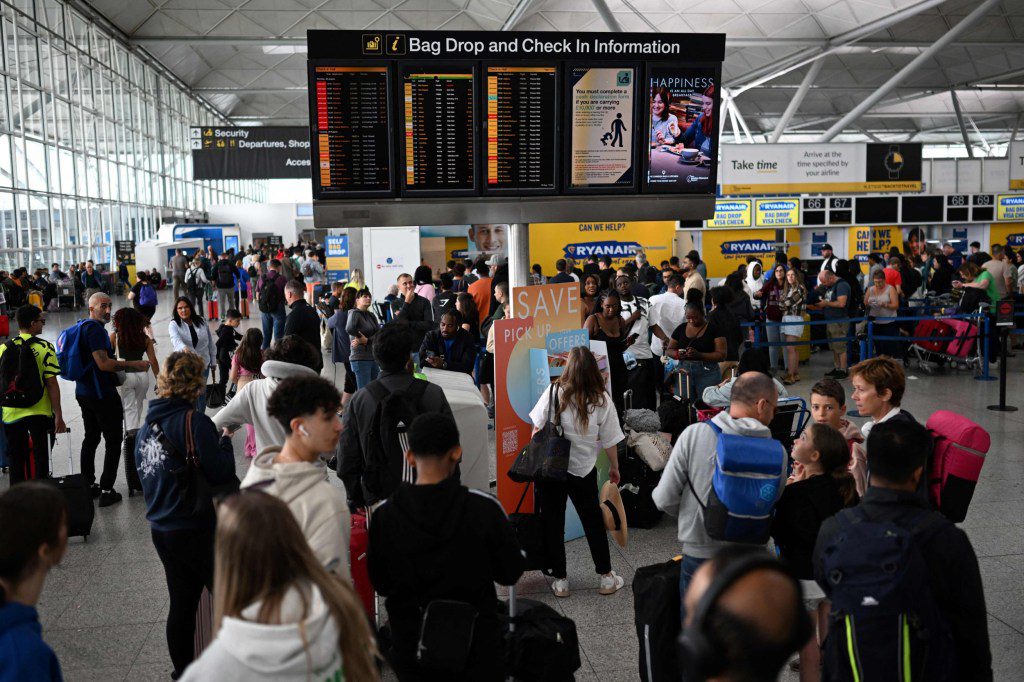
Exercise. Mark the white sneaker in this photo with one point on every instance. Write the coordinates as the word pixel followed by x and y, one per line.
pixel 611 583
pixel 560 587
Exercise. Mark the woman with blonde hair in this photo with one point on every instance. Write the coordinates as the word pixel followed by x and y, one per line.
pixel 277 613
pixel 355 280
pixel 177 444
pixel 580 405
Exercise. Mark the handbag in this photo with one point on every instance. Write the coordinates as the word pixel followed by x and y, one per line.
pixel 546 456
pixel 446 635
pixel 197 494
pixel 529 530
pixel 215 395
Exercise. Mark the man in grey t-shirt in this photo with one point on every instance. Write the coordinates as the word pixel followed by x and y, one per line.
pixel 1000 271
pixel 179 264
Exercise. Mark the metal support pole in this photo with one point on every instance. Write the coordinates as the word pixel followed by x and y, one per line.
pixel 518 256
pixel 986 328
pixel 798 98
pixel 981 10
pixel 735 125
pixel 1004 332
pixel 960 121
pixel 606 14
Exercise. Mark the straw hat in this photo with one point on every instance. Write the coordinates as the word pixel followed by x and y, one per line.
pixel 614 513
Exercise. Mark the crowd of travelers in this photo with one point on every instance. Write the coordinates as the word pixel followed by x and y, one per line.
pixel 845 571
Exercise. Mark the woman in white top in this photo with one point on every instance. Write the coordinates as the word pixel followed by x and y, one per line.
pixel 586 414
pixel 278 614
pixel 189 331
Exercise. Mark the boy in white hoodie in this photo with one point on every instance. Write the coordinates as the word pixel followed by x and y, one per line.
pixel 307 409
pixel 691 467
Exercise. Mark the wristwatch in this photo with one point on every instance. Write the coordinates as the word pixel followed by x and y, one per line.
pixel 894 162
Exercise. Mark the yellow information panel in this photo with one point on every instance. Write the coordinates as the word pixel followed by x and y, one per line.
pixel 777 212
pixel 618 241
pixel 725 250
pixel 731 213
pixel 1007 234
pixel 867 240
pixel 338 263
pixel 1010 207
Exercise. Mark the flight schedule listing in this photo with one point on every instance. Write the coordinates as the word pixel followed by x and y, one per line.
pixel 439 130
pixel 351 129
pixel 521 122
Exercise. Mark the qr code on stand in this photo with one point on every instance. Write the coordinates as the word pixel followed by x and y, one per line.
pixel 509 441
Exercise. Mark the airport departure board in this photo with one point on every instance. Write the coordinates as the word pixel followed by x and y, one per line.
pixel 350 129
pixel 499 115
pixel 522 120
pixel 437 125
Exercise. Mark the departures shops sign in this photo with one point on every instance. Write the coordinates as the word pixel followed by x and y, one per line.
pixel 250 153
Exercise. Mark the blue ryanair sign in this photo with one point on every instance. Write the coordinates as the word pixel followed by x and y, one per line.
pixel 612 249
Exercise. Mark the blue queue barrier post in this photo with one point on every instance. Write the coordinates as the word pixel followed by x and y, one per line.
pixel 985 376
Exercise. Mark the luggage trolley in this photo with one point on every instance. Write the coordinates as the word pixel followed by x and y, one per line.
pixel 955 344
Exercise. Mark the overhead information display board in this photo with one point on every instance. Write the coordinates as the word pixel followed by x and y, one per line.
pixel 812 168
pixel 249 153
pixel 1016 155
pixel 482 120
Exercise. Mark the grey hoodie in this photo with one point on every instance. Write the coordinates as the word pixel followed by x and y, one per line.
pixel 693 459
pixel 320 508
pixel 249 406
pixel 304 647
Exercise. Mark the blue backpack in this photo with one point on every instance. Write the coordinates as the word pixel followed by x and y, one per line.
pixel 147 296
pixel 74 364
pixel 750 475
pixel 885 623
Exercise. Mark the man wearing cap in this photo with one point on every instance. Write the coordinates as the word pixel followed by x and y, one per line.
pixel 954 257
pixel 830 260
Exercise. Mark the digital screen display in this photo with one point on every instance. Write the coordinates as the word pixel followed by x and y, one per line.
pixel 957 214
pixel 877 210
pixel 681 129
pixel 814 203
pixel 813 218
pixel 922 209
pixel 983 200
pixel 438 129
pixel 352 150
pixel 983 214
pixel 958 199
pixel 840 217
pixel 521 127
pixel 840 202
pixel 601 104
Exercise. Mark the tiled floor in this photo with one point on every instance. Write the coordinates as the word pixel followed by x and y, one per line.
pixel 103 609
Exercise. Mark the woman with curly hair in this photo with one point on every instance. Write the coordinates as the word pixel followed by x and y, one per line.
pixel 130 342
pixel 175 437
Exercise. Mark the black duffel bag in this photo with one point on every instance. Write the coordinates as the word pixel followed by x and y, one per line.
pixel 543 646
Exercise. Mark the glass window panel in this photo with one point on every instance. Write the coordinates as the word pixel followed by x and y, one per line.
pixel 26 6
pixel 5 120
pixel 6 179
pixel 28 58
pixel 10 46
pixel 18 148
pixel 67 172
pixel 51 13
pixel 62 122
pixel 54 169
pixel 29 117
pixel 36 165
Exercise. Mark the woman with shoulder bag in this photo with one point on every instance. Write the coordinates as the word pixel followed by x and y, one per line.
pixel 278 614
pixel 181 459
pixel 579 404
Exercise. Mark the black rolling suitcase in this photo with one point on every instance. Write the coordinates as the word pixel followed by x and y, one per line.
pixel 131 471
pixel 637 482
pixel 541 645
pixel 76 490
pixel 657 617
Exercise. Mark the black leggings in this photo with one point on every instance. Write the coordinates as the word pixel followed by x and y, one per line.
pixel 583 493
pixel 187 556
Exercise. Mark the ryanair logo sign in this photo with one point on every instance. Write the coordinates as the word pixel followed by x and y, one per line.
pixel 612 249
pixel 745 246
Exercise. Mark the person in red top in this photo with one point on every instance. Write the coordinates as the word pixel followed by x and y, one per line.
pixel 480 290
pixel 892 273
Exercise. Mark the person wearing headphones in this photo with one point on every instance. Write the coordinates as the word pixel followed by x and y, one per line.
pixel 307 408
pixel 745 618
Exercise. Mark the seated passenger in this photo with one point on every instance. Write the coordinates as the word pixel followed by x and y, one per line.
pixel 751 361
pixel 450 347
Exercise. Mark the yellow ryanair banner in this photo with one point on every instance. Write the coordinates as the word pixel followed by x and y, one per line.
pixel 1007 234
pixel 866 240
pixel 731 213
pixel 793 243
pixel 725 250
pixel 777 212
pixel 618 241
pixel 1010 207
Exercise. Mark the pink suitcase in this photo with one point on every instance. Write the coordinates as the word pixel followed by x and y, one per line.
pixel 957 457
pixel 966 333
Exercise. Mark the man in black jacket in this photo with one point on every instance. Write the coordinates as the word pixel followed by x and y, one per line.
pixel 449 347
pixel 436 539
pixel 897 455
pixel 445 299
pixel 303 320
pixel 412 310
pixel 358 450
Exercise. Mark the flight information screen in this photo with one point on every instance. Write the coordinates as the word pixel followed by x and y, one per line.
pixel 351 143
pixel 521 127
pixel 438 128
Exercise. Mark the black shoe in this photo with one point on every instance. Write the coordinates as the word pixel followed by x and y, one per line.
pixel 840 375
pixel 832 374
pixel 109 497
pixel 95 490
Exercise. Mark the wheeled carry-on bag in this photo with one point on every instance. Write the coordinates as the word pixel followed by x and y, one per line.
pixel 541 645
pixel 76 491
pixel 958 453
pixel 359 545
pixel 131 471
pixel 937 331
pixel 656 614
pixel 964 340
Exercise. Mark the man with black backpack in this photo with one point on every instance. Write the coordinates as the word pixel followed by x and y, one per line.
pixel 904 581
pixel 371 455
pixel 270 298
pixel 224 274
pixel 31 396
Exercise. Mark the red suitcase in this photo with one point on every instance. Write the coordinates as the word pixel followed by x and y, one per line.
pixel 358 546
pixel 958 454
pixel 938 333
pixel 211 310
pixel 963 343
pixel 5 325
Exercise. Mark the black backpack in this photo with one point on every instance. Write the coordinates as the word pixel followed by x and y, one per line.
pixel 271 297
pixel 225 275
pixel 388 441
pixel 193 286
pixel 544 645
pixel 21 384
pixel 884 614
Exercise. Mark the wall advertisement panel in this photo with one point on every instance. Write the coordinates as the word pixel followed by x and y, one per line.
pixel 795 168
pixel 338 265
pixel 731 213
pixel 1007 234
pixel 602 105
pixel 1010 207
pixel 863 241
pixel 618 241
pixel 725 250
pixel 387 253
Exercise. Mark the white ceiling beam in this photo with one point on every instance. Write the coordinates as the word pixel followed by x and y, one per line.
pixel 960 122
pixel 516 15
pixel 739 43
pixel 218 40
pixel 871 100
pixel 798 98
